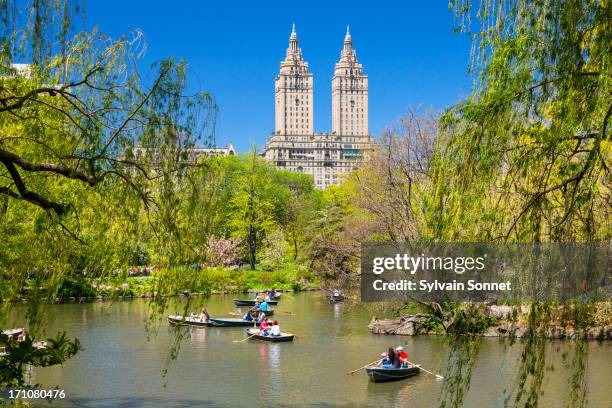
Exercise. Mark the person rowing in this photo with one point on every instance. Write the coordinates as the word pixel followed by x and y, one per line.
pixel 204 316
pixel 402 356
pixel 390 359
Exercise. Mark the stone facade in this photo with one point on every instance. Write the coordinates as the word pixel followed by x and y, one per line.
pixel 349 94
pixel 294 93
pixel 294 146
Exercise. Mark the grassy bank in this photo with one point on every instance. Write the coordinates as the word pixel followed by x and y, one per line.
pixel 184 280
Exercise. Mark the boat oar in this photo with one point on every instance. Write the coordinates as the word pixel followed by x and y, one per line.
pixel 438 376
pixel 240 341
pixel 361 368
pixel 285 311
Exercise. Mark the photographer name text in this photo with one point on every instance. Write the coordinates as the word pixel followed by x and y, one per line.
pixel 427 286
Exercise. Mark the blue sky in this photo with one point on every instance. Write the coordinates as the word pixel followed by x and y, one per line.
pixel 234 48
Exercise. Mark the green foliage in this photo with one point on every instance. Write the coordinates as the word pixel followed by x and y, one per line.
pixel 19 355
pixel 75 288
pixel 526 156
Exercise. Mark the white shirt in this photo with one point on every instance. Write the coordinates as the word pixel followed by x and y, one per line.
pixel 276 330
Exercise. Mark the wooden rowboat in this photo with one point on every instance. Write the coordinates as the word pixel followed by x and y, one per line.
pixel 380 374
pixel 275 339
pixel 231 322
pixel 246 302
pixel 181 321
pixel 13 333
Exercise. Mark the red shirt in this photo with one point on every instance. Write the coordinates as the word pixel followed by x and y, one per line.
pixel 263 326
pixel 402 355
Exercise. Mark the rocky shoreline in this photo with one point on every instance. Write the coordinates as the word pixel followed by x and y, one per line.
pixel 104 298
pixel 505 326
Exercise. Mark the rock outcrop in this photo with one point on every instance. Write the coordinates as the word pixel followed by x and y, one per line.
pixel 511 320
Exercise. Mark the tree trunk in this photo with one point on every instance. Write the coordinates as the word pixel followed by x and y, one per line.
pixel 295 246
pixel 252 243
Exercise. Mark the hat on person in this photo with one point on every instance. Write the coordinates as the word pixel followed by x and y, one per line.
pixel 383 354
pixel 399 348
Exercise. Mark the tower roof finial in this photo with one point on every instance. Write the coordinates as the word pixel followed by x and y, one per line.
pixel 293 29
pixel 347 38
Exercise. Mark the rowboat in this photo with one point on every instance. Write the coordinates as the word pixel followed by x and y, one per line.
pixel 189 321
pixel 245 302
pixel 338 298
pixel 231 322
pixel 380 374
pixel 276 339
pixel 14 333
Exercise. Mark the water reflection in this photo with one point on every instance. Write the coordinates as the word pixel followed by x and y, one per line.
pixel 337 310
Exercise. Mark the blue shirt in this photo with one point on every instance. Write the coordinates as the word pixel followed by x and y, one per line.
pixel 264 306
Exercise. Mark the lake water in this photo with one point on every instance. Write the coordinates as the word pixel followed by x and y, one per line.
pixel 121 367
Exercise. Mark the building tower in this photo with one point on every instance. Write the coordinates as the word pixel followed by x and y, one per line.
pixel 349 94
pixel 294 93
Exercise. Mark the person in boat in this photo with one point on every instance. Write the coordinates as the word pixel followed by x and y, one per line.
pixel 337 293
pixel 383 361
pixel 204 316
pixel 263 307
pixel 275 331
pixel 256 297
pixel 402 356
pixel 392 359
pixel 21 337
pixel 247 316
pixel 272 293
pixel 264 327
pixel 267 298
pixel 193 315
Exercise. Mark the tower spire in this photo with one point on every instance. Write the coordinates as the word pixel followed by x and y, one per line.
pixel 348 45
pixel 293 49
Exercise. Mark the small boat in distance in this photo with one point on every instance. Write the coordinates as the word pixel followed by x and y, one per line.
pixel 246 302
pixel 189 321
pixel 14 333
pixel 254 335
pixel 380 374
pixel 232 322
pixel 336 298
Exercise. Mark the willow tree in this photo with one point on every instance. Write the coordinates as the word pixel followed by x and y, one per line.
pixel 89 149
pixel 526 157
pixel 528 152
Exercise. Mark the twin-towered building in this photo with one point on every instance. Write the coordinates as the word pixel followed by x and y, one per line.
pixel 294 145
